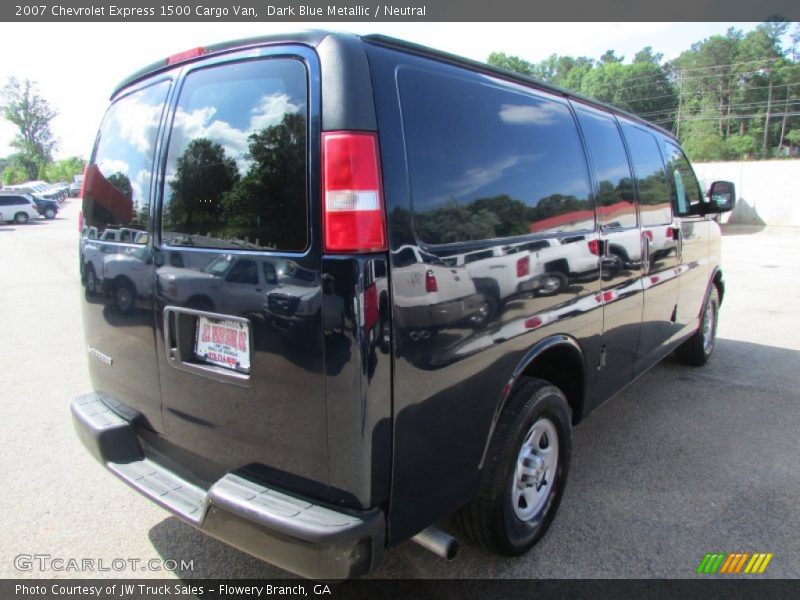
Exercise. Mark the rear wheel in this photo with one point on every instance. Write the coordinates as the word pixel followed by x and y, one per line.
pixel 525 471
pixel 21 218
pixel 91 280
pixel 552 283
pixel 698 349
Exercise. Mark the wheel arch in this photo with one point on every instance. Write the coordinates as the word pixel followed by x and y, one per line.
pixel 558 359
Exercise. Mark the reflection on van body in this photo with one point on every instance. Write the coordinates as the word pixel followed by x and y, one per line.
pixel 430 295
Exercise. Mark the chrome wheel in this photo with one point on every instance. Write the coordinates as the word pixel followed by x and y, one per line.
pixel 535 471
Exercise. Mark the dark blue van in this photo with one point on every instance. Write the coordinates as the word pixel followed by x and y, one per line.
pixel 339 288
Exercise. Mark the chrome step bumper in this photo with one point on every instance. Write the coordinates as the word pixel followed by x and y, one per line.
pixel 293 533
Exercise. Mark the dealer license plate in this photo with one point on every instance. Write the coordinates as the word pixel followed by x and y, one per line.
pixel 222 342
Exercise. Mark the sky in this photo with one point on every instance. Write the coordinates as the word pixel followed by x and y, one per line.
pixel 77 65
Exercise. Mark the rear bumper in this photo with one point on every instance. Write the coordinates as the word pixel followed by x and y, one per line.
pixel 293 533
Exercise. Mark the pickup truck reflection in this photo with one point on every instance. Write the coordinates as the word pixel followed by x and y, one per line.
pixel 430 295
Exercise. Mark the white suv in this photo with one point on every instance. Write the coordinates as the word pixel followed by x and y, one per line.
pixel 17 208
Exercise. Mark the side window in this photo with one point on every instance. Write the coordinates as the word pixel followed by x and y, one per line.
pixel 243 271
pixel 651 182
pixel 615 198
pixel 405 258
pixel 685 187
pixel 5 201
pixel 117 187
pixel 490 162
pixel 236 165
pixel 270 274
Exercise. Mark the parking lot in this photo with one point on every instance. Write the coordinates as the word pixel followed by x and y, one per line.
pixel 685 461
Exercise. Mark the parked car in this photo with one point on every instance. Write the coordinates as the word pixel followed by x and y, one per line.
pixel 75 187
pixel 17 208
pixel 368 162
pixel 47 208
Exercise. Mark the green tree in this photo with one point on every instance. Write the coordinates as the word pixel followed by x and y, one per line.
pixel 263 202
pixel 203 173
pixel 65 169
pixel 31 114
pixel 511 63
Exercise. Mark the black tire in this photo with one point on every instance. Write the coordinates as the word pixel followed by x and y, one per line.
pixel 698 349
pixel 91 280
pixel 124 296
pixel 21 218
pixel 491 520
pixel 49 213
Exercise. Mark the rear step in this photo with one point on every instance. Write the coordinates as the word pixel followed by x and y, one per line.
pixel 294 533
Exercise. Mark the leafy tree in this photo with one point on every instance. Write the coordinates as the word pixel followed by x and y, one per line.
pixel 203 173
pixel 263 202
pixel 65 169
pixel 31 114
pixel 511 63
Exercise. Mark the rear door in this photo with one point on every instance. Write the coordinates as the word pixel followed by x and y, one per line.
pixel 119 187
pixel 241 387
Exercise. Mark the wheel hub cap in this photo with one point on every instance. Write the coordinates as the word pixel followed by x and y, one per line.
pixel 535 469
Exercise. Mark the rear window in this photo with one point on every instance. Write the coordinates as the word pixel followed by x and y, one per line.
pixel 236 164
pixel 117 190
pixel 490 162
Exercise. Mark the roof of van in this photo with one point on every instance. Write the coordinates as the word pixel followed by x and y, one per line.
pixel 314 37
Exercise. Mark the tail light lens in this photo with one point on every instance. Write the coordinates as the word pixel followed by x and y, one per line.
pixel 185 55
pixel 83 181
pixel 352 211
pixel 80 222
pixel 594 247
pixel 523 266
pixel 430 282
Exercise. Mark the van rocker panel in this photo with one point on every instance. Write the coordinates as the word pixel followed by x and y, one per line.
pixel 293 533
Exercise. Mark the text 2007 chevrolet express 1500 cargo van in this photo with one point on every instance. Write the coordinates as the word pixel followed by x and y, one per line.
pixel 301 353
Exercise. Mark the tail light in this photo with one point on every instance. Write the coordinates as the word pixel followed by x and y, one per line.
pixel 430 282
pixel 352 210
pixel 80 222
pixel 83 181
pixel 594 247
pixel 185 55
pixel 523 266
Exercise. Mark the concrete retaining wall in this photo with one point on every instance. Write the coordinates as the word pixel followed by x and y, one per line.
pixel 768 191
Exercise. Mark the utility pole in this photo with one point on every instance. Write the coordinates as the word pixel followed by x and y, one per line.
pixel 680 104
pixel 769 108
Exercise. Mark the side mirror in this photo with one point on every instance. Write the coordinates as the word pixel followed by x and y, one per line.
pixel 721 196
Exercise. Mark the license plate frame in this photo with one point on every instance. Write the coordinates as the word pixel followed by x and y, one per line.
pixel 224 343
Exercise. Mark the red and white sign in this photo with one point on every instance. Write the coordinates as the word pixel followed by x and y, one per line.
pixel 224 343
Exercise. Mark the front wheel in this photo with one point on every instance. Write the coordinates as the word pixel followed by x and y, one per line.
pixel 525 471
pixel 124 296
pixel 50 213
pixel 21 218
pixel 698 349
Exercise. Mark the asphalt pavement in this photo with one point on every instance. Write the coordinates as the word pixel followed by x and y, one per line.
pixel 685 461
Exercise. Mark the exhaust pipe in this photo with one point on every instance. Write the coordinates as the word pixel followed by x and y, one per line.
pixel 438 542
